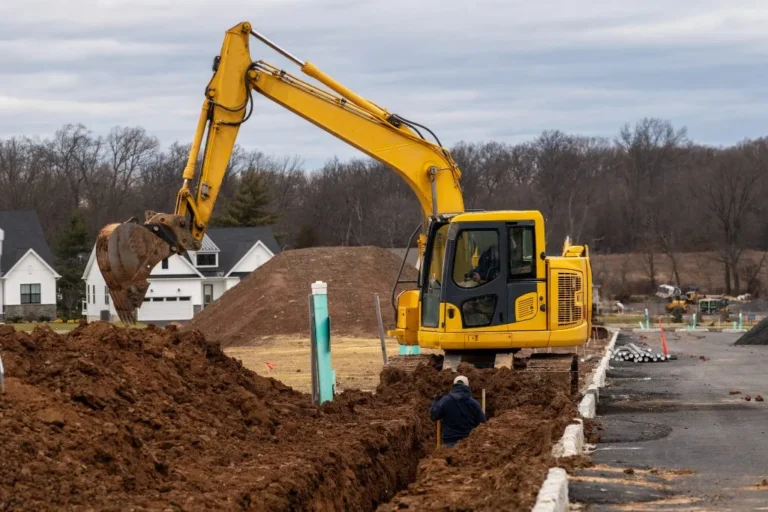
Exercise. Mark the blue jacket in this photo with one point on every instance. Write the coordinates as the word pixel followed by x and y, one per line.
pixel 459 412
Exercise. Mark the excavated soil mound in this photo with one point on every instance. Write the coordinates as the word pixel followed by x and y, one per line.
pixel 273 299
pixel 108 418
pixel 758 335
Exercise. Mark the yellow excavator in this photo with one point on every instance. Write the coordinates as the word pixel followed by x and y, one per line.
pixel 486 287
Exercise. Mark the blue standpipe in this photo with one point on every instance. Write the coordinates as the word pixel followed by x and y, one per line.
pixel 409 350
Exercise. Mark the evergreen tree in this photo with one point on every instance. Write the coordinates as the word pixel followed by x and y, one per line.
pixel 249 206
pixel 71 250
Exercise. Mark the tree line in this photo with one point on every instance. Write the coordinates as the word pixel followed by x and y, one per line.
pixel 649 189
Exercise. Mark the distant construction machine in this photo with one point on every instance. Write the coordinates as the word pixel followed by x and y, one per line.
pixel 486 285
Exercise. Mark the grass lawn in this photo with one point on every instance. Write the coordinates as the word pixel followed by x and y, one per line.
pixel 27 327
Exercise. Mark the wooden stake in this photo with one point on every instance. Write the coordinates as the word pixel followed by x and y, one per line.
pixel 381 330
pixel 483 400
pixel 439 433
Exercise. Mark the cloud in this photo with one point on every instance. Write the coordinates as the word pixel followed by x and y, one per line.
pixel 470 70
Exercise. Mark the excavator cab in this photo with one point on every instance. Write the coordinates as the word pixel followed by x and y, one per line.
pixel 487 287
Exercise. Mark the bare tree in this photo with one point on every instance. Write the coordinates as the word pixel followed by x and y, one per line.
pixel 732 184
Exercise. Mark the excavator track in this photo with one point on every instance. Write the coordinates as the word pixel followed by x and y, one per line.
pixel 409 364
pixel 566 366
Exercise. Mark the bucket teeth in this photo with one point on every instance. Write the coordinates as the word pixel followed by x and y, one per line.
pixel 126 254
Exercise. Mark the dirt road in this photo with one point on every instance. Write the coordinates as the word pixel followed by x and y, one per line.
pixel 674 437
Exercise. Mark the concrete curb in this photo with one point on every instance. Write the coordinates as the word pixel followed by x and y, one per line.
pixel 572 442
pixel 733 331
pixel 698 329
pixel 553 495
pixel 652 329
pixel 588 404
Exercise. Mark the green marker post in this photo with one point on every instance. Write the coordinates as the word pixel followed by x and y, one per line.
pixel 409 350
pixel 326 376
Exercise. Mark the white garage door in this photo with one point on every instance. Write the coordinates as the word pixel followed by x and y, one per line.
pixel 165 309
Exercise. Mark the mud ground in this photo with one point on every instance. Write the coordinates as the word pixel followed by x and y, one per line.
pixel 109 418
pixel 673 437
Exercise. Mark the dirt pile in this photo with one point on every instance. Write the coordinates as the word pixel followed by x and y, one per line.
pixel 757 335
pixel 107 417
pixel 111 419
pixel 273 299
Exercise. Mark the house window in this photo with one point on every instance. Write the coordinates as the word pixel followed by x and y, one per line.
pixel 106 295
pixel 30 294
pixel 207 260
pixel 88 294
pixel 207 294
pixel 165 264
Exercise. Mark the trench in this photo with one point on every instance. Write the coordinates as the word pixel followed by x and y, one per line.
pixel 505 459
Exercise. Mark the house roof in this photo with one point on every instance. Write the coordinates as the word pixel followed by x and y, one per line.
pixel 234 243
pixel 22 232
pixel 208 245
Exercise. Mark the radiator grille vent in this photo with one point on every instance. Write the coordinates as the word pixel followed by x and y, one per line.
pixel 568 290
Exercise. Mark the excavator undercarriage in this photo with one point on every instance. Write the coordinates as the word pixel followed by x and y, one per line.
pixel 565 366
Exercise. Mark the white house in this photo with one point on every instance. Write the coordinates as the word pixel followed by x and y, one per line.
pixel 27 277
pixel 180 286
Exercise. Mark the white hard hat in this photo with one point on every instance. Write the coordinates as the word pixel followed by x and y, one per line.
pixel 461 379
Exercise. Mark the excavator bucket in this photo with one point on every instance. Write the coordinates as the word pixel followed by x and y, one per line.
pixel 126 254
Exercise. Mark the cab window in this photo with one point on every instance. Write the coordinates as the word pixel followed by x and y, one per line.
pixel 522 264
pixel 476 261
pixel 431 278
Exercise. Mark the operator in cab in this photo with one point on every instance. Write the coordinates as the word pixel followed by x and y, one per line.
pixel 488 266
pixel 459 412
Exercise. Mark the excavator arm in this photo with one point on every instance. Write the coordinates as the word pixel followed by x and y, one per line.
pixel 127 253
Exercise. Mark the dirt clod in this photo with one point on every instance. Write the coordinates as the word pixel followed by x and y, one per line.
pixel 51 417
pixel 734 392
pixel 748 398
pixel 759 398
pixel 629 471
pixel 273 300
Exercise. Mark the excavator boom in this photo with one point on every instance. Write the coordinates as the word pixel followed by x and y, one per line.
pixel 127 253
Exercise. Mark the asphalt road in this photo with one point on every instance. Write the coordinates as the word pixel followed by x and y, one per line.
pixel 674 438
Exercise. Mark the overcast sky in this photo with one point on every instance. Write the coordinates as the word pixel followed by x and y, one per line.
pixel 471 70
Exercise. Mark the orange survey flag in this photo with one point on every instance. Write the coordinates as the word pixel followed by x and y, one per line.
pixel 663 339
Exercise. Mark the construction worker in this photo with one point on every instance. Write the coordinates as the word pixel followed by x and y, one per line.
pixel 459 412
